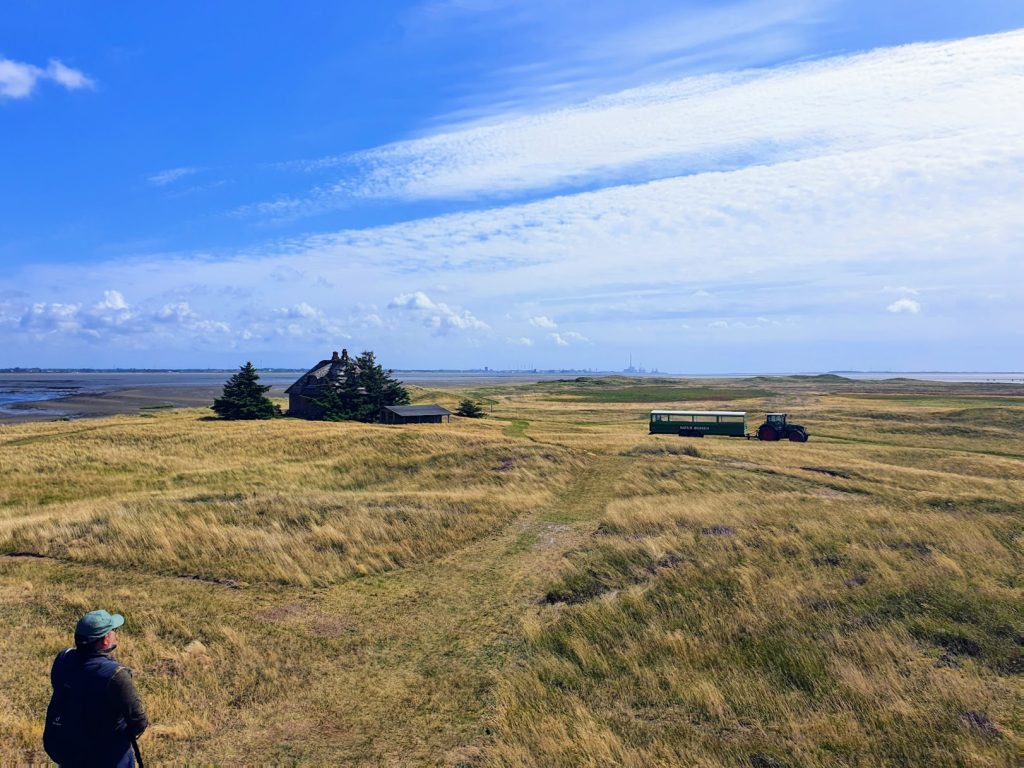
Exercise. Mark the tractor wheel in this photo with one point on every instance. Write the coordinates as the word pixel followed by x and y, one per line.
pixel 767 432
pixel 797 436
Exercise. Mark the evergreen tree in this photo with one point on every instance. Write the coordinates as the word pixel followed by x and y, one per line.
pixel 470 409
pixel 363 388
pixel 245 398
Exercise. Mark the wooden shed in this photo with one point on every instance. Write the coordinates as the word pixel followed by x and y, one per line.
pixel 414 414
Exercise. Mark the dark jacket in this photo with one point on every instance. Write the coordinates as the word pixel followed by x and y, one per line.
pixel 104 696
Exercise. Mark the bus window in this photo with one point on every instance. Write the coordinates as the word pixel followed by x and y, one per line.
pixel 705 419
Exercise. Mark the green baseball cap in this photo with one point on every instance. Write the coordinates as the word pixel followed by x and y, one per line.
pixel 96 625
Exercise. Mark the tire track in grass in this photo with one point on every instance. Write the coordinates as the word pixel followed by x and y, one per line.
pixel 412 683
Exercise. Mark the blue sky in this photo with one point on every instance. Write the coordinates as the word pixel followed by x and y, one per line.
pixel 761 185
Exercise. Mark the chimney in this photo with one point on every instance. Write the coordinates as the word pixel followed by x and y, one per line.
pixel 334 356
pixel 344 356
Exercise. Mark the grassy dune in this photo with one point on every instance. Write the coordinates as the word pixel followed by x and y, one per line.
pixel 548 586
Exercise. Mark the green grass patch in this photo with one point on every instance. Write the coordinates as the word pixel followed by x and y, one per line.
pixel 517 428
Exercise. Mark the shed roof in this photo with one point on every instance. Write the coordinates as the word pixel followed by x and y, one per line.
pixel 418 410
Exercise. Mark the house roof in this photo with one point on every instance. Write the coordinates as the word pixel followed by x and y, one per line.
pixel 314 378
pixel 418 410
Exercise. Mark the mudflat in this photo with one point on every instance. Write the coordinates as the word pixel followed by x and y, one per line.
pixel 119 401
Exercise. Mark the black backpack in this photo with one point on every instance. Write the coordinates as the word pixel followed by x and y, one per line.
pixel 63 734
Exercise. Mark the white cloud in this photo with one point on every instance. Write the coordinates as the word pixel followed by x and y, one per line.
pixel 967 90
pixel 18 80
pixel 437 315
pixel 576 48
pixel 111 319
pixel 301 320
pixel 112 300
pixel 41 319
pixel 301 310
pixel 522 341
pixel 543 322
pixel 908 306
pixel 171 175
pixel 72 79
pixel 566 338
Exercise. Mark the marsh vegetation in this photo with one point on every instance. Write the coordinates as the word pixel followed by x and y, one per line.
pixel 546 586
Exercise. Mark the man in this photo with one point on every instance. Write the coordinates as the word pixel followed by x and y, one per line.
pixel 95 713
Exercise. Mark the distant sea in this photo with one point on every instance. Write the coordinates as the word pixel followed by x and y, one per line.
pixel 33 387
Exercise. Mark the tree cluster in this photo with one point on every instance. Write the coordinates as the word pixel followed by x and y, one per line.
pixel 245 398
pixel 361 391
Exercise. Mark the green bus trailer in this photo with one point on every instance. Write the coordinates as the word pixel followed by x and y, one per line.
pixel 699 423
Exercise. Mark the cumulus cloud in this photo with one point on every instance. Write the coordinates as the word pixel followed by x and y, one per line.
pixel 299 321
pixel 905 306
pixel 522 341
pixel 543 322
pixel 180 317
pixel 18 80
pixel 112 300
pixel 437 315
pixel 110 319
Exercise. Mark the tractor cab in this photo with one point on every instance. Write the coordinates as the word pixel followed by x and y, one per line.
pixel 777 427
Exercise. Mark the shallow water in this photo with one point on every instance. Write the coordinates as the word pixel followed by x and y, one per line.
pixel 16 388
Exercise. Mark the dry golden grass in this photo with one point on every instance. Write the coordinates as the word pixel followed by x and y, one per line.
pixel 549 586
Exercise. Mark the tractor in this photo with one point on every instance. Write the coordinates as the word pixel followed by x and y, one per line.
pixel 775 427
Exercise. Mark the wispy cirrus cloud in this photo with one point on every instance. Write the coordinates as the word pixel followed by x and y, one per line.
pixel 577 48
pixel 171 175
pixel 967 90
pixel 18 79
pixel 809 243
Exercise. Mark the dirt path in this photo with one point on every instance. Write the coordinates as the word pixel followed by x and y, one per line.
pixel 422 648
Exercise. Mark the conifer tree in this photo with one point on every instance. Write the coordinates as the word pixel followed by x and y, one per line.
pixel 245 398
pixel 470 409
pixel 363 388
